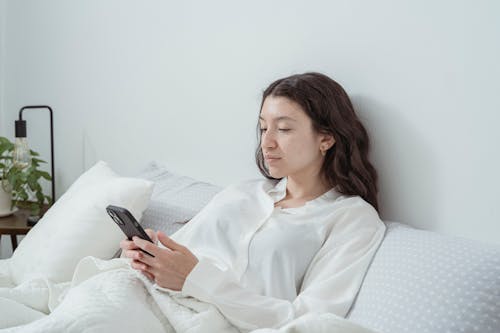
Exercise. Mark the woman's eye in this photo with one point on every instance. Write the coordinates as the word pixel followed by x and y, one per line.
pixel 279 129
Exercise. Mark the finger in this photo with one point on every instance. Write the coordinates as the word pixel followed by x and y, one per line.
pixel 139 266
pixel 127 245
pixel 148 275
pixel 169 242
pixel 152 234
pixel 132 254
pixel 142 257
pixel 146 245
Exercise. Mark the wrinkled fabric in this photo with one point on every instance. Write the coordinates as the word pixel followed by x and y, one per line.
pixel 263 266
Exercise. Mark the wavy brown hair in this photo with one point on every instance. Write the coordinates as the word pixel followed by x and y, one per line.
pixel 346 163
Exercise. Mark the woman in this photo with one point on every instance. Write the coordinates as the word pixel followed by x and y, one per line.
pixel 266 251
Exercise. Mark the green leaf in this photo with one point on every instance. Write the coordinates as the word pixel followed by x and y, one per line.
pixel 35 208
pixel 12 179
pixel 37 160
pixel 40 197
pixel 30 170
pixel 5 144
pixel 33 183
pixel 23 195
pixel 23 177
pixel 45 175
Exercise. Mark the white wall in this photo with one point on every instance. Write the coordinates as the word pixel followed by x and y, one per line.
pixel 3 7
pixel 180 82
pixel 5 247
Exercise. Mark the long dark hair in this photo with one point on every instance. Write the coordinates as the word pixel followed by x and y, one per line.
pixel 346 164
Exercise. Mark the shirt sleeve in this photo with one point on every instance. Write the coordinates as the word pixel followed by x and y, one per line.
pixel 330 283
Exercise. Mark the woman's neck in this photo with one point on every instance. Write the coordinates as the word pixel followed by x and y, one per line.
pixel 305 188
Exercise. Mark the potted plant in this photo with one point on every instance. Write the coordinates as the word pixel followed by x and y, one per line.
pixel 22 183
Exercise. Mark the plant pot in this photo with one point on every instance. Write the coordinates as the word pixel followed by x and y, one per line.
pixel 27 205
pixel 5 202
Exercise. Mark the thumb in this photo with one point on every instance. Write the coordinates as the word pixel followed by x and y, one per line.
pixel 169 242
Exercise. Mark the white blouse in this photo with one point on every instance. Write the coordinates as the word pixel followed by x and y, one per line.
pixel 263 266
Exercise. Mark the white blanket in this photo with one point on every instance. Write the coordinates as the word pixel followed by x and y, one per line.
pixel 109 296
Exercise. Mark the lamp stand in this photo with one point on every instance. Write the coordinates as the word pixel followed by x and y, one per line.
pixel 51 142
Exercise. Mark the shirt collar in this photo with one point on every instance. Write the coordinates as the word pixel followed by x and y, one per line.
pixel 278 192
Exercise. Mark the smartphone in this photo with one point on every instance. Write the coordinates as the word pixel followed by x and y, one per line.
pixel 128 224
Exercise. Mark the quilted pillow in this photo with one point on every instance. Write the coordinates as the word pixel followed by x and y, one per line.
pixel 422 281
pixel 176 199
pixel 77 225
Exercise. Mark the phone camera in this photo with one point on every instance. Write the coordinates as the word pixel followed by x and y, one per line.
pixel 115 218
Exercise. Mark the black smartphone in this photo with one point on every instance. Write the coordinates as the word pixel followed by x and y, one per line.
pixel 127 222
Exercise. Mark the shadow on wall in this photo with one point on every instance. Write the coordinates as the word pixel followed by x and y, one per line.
pixel 406 164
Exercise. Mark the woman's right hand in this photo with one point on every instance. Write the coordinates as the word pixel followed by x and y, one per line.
pixel 129 246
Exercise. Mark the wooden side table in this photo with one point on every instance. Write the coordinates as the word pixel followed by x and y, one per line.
pixel 15 224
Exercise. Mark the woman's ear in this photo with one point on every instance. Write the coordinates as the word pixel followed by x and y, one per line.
pixel 327 141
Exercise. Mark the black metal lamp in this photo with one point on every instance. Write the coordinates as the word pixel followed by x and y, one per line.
pixel 22 156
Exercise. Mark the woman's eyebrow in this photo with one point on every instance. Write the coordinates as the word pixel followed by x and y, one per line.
pixel 280 118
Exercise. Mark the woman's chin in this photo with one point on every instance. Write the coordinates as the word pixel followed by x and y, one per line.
pixel 275 173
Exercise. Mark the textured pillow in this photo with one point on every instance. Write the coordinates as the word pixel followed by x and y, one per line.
pixel 77 225
pixel 175 200
pixel 421 281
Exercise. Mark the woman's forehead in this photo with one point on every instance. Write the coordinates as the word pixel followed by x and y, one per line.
pixel 281 108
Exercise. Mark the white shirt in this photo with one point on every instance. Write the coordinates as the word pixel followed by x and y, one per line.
pixel 263 266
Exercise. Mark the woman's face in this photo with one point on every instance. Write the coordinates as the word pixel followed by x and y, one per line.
pixel 288 141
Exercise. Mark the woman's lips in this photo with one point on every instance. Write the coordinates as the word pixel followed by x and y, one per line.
pixel 272 159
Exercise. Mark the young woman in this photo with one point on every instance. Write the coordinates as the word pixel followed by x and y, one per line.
pixel 266 251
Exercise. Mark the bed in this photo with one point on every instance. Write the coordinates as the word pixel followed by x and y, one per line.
pixel 65 277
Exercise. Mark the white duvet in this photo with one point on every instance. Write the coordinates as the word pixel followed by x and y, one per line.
pixel 109 296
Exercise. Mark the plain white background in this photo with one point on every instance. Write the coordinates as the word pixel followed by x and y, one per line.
pixel 180 83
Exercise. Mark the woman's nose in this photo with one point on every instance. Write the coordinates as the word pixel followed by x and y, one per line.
pixel 268 141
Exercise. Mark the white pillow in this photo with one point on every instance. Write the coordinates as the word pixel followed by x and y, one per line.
pixel 77 225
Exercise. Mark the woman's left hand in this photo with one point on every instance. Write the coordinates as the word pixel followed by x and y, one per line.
pixel 169 267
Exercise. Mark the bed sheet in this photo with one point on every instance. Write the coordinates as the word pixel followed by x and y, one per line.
pixel 107 295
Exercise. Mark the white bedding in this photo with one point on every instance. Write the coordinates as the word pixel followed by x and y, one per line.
pixel 105 296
